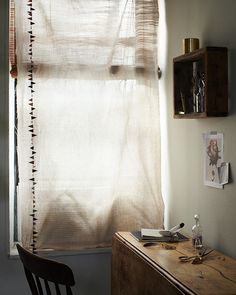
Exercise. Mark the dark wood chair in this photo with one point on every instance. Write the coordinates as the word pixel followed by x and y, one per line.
pixel 44 275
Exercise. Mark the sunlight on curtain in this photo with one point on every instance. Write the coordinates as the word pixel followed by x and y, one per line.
pixel 97 131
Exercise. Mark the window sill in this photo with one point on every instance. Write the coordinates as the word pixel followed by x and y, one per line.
pixel 14 254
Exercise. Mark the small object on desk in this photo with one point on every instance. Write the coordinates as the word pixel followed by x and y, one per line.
pixel 196 259
pixel 176 228
pixel 148 233
pixel 207 252
pixel 171 232
pixel 168 247
pixel 186 258
pixel 149 244
pixel 197 233
pixel 178 237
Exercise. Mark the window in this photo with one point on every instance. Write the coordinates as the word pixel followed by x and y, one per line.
pixel 88 121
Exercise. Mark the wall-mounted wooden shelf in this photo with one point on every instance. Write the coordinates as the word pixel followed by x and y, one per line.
pixel 201 83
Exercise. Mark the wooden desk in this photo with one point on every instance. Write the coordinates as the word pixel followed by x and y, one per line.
pixel 137 270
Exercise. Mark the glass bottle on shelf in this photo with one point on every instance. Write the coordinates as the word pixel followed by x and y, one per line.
pixel 197 232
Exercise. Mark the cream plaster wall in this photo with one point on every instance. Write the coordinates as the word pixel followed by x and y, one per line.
pixel 214 23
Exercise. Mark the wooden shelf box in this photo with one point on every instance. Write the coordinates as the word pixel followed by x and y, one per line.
pixel 201 83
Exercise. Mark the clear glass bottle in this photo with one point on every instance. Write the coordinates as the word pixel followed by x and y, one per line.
pixel 197 232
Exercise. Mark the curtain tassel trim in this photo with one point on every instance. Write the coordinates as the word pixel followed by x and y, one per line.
pixel 32 162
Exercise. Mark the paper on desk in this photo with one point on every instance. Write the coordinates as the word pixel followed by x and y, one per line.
pixel 152 233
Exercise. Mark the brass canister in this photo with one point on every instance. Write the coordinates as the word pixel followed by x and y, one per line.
pixel 190 44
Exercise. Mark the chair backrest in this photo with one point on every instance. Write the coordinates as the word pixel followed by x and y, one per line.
pixel 42 274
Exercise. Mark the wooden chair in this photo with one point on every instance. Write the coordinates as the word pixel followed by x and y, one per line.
pixel 52 273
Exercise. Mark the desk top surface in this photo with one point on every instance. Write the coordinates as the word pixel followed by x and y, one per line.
pixel 215 275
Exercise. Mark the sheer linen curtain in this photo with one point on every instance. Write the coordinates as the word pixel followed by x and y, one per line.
pixel 88 133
